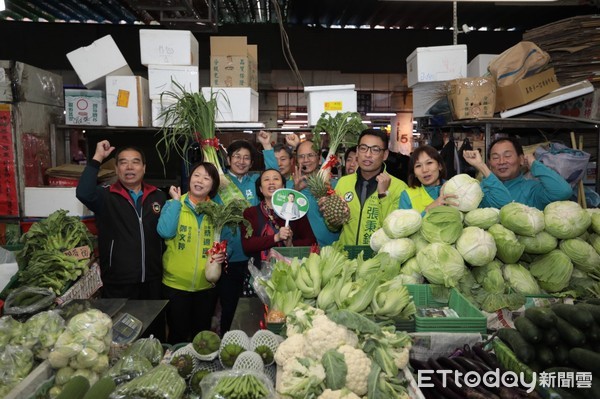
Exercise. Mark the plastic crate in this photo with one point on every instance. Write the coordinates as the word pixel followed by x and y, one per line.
pixel 292 252
pixel 407 325
pixel 469 319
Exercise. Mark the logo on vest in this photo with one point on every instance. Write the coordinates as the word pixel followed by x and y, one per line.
pixel 349 196
pixel 156 207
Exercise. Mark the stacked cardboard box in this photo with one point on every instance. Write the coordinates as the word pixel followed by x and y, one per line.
pixel 233 78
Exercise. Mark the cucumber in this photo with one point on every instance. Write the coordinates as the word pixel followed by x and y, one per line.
pixel 75 388
pixel 101 389
pixel 524 351
pixel 577 316
pixel 541 316
pixel 544 356
pixel 585 360
pixel 562 370
pixel 551 337
pixel 592 334
pixel 528 330
pixel 593 309
pixel 571 335
pixel 593 301
pixel 561 355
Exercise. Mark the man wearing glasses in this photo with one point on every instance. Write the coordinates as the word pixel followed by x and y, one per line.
pixel 370 193
pixel 307 162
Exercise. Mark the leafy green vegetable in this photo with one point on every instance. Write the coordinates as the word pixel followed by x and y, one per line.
pixel 522 219
pixel 542 243
pixel 442 224
pixel 476 246
pixel 354 321
pixel 230 215
pixel 509 249
pixel 335 369
pixel 520 280
pixel 566 219
pixel 441 264
pixel 553 270
pixel 483 218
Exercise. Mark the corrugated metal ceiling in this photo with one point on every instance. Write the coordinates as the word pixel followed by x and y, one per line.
pixel 207 15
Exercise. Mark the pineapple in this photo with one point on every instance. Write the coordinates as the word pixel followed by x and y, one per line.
pixel 334 208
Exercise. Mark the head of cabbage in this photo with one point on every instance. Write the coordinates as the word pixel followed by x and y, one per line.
pixel 442 224
pixel 490 277
pixel 522 219
pixel 582 254
pixel 509 249
pixel 378 238
pixel 483 217
pixel 552 270
pixel 399 249
pixel 441 264
pixel 467 190
pixel 402 223
pixel 476 246
pixel 566 219
pixel 520 280
pixel 542 243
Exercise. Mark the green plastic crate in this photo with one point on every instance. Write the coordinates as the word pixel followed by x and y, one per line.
pixel 470 318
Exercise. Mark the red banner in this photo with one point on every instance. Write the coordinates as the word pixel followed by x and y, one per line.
pixel 9 205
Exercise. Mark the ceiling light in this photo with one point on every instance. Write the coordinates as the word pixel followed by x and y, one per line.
pixel 367 122
pixel 381 114
pixel 298 113
pixel 296 122
pixel 2 6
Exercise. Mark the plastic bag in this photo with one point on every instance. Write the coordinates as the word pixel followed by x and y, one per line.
pixel 571 164
pixel 40 332
pixel 150 348
pixel 27 300
pixel 163 381
pixel 226 384
pixel 128 367
pixel 16 362
pixel 9 328
pixel 259 276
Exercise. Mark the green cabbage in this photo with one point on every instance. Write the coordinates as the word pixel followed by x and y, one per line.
pixel 542 243
pixel 520 280
pixel 378 238
pixel 419 240
pixel 522 219
pixel 583 255
pixel 566 219
pixel 490 277
pixel 552 270
pixel 400 249
pixel 441 264
pixel 596 222
pixel 509 249
pixel 411 268
pixel 467 190
pixel 476 246
pixel 402 223
pixel 482 217
pixel 442 224
pixel 594 240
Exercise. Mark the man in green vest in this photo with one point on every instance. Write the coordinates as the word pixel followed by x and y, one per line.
pixel 370 193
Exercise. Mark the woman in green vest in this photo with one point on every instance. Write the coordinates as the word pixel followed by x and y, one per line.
pixel 425 181
pixel 188 236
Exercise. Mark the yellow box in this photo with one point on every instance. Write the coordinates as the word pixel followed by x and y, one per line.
pixel 472 98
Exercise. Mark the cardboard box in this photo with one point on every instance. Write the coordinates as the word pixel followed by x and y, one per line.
pixel 85 107
pixel 435 64
pixel 234 104
pixel 42 201
pixel 168 47
pixel 158 107
pixel 472 98
pixel 587 106
pixel 127 101
pixel 330 99
pixel 20 82
pixel 233 63
pixel 100 59
pixel 161 78
pixel 426 95
pixel 526 90
pixel 591 173
pixel 479 65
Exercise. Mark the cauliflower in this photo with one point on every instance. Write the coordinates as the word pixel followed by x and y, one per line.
pixel 401 357
pixel 290 348
pixel 301 319
pixel 339 394
pixel 301 378
pixel 325 335
pixel 359 367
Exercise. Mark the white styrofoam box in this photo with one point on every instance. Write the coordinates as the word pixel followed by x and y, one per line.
pixel 85 107
pixel 42 201
pixel 425 95
pixel 100 59
pixel 168 47
pixel 161 78
pixel 158 107
pixel 331 99
pixel 479 65
pixel 434 64
pixel 127 101
pixel 234 104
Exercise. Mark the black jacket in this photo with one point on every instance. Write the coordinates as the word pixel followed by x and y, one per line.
pixel 130 248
